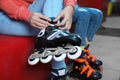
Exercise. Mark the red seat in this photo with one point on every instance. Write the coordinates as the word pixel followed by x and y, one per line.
pixel 14 52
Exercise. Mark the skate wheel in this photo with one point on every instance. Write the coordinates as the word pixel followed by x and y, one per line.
pixel 75 53
pixel 59 57
pixel 46 59
pixel 33 61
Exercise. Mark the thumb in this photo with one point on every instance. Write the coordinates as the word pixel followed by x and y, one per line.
pixel 57 18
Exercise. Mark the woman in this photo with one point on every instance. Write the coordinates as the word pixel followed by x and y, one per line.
pixel 28 17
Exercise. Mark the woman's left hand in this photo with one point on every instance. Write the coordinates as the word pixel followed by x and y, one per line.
pixel 66 14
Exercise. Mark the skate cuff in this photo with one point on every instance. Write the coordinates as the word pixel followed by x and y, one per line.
pixel 59 73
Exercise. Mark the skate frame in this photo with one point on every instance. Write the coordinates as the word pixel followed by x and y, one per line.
pixel 54 51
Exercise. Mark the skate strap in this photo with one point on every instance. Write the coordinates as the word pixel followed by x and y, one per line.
pixel 89 56
pixel 86 68
pixel 80 60
pixel 59 73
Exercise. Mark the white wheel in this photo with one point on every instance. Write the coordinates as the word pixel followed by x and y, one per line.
pixel 75 53
pixel 46 59
pixel 59 57
pixel 33 61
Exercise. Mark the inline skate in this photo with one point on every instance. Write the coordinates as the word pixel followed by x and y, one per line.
pixel 83 71
pixel 55 43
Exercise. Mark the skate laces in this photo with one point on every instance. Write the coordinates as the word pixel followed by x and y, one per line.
pixel 85 68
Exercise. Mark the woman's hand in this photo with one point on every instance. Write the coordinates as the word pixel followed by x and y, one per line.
pixel 66 14
pixel 38 20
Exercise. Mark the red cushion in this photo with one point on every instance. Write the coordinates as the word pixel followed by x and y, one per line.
pixel 14 52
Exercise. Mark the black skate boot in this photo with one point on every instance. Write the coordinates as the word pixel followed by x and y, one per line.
pixel 54 37
pixel 83 71
pixel 59 74
pixel 53 42
pixel 93 61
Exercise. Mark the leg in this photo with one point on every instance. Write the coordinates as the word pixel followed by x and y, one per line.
pixel 81 20
pixel 52 9
pixel 94 23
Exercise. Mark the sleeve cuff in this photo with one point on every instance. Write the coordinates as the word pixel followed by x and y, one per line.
pixel 70 2
pixel 23 14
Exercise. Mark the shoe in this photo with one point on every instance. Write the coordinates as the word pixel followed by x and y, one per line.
pixel 83 71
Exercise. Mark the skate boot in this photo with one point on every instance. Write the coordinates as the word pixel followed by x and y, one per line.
pixel 93 61
pixel 55 43
pixel 83 71
pixel 59 74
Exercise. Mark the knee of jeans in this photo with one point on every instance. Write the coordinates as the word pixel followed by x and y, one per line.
pixel 96 12
pixel 82 14
pixel 99 13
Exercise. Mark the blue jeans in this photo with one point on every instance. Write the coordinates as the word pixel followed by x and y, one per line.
pixel 87 21
pixel 13 27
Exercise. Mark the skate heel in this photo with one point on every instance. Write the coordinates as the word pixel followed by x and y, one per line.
pixel 93 61
pixel 83 71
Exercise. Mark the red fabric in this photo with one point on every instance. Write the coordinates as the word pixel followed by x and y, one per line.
pixel 70 2
pixel 14 52
pixel 17 9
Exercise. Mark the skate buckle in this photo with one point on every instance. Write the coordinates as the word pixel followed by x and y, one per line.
pixel 41 33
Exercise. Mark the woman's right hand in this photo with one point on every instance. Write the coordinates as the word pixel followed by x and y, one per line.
pixel 38 20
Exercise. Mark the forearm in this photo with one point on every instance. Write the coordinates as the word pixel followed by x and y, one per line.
pixel 14 11
pixel 70 2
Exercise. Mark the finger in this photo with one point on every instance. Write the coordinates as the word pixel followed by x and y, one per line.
pixel 36 26
pixel 63 28
pixel 67 26
pixel 42 21
pixel 58 18
pixel 45 18
pixel 62 23
pixel 39 25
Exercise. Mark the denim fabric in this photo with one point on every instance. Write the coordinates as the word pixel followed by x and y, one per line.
pixel 94 22
pixel 52 8
pixel 87 22
pixel 81 21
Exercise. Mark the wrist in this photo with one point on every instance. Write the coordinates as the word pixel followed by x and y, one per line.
pixel 70 2
pixel 30 16
pixel 24 14
pixel 71 7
